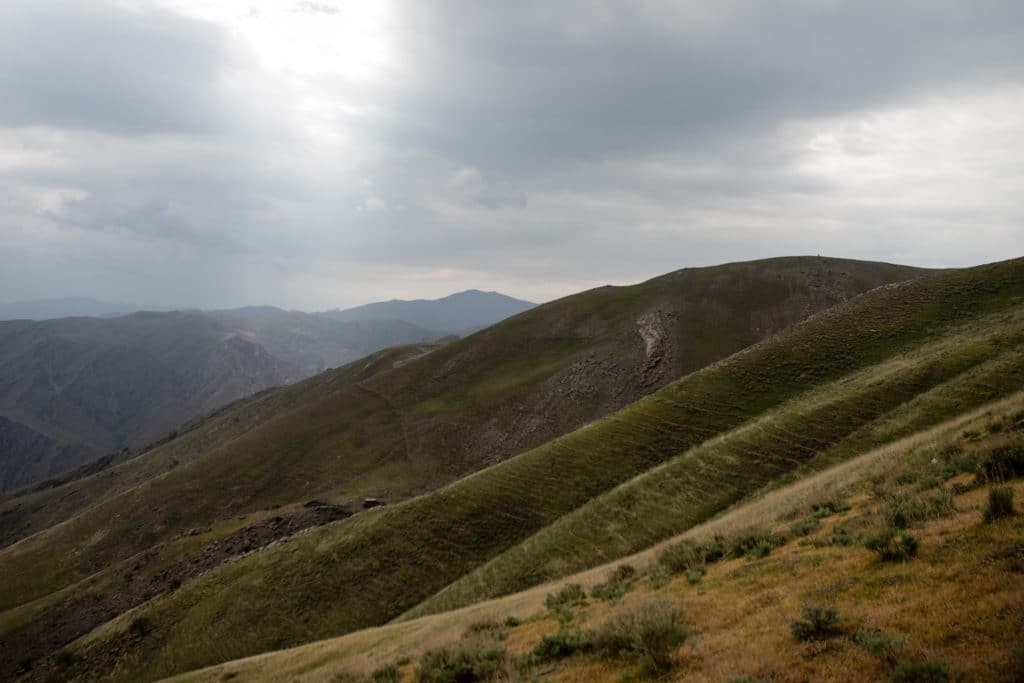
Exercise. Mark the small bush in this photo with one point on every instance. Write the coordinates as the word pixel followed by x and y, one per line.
pixel 562 644
pixel 893 546
pixel 831 507
pixel 659 576
pixel 927 671
pixel 905 509
pixel 511 621
pixel 140 627
pixel 842 535
pixel 693 576
pixel 619 582
pixel 461 665
pixel 648 634
pixel 819 623
pixel 488 628
pixel 1000 503
pixel 880 644
pixel 570 596
pixel 679 557
pixel 753 543
pixel 805 527
pixel 386 674
pixel 1002 463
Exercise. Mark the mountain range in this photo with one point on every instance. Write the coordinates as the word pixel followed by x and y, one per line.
pixel 73 389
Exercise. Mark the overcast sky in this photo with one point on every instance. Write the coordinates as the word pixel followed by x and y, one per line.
pixel 323 153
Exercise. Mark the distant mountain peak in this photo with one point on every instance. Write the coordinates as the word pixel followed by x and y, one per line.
pixel 461 312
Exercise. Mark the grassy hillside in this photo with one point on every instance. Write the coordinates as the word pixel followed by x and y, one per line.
pixel 484 398
pixel 407 430
pixel 55 500
pixel 74 389
pixel 102 384
pixel 957 600
pixel 840 374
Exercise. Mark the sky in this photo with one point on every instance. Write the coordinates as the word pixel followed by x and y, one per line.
pixel 315 154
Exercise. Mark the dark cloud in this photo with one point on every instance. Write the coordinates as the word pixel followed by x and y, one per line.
pixel 535 83
pixel 539 147
pixel 98 66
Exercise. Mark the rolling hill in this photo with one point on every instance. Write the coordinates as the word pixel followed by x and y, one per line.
pixel 895 360
pixel 405 431
pixel 74 389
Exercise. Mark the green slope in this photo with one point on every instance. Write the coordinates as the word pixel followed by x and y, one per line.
pixel 53 501
pixel 419 426
pixel 839 376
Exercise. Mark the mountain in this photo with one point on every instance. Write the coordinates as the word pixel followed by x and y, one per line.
pixel 496 410
pixel 458 313
pixel 73 389
pixel 69 307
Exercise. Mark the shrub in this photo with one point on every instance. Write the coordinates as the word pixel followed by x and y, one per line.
pixel 1000 503
pixel 659 576
pixel 893 546
pixel 511 621
pixel 842 535
pixel 905 509
pixel 880 644
pixel 805 527
pixel 819 623
pixel 140 627
pixel 619 582
pixel 461 665
pixel 386 674
pixel 648 634
pixel 571 595
pixel 562 644
pixel 681 556
pixel 488 628
pixel 753 543
pixel 762 549
pixel 927 671
pixel 693 576
pixel 1002 463
pixel 830 507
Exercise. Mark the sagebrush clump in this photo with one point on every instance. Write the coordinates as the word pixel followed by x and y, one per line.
pixel 461 664
pixel 570 596
pixel 818 623
pixel 1000 503
pixel 619 582
pixel 561 644
pixel 893 546
pixel 648 634
pixel 927 671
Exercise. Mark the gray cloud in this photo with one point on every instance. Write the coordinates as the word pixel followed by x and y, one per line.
pixel 539 83
pixel 537 147
pixel 99 66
